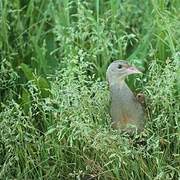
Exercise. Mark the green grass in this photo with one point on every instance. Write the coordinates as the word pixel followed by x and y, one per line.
pixel 54 110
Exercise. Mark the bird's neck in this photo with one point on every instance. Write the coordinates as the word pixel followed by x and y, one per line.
pixel 118 83
pixel 120 91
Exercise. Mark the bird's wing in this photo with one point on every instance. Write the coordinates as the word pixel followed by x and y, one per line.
pixel 141 99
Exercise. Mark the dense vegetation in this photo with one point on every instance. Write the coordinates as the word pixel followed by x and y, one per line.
pixel 54 120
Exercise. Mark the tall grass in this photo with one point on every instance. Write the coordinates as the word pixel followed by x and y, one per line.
pixel 54 120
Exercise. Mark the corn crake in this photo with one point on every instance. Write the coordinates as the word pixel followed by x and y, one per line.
pixel 126 111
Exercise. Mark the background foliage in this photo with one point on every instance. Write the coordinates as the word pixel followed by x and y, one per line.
pixel 54 121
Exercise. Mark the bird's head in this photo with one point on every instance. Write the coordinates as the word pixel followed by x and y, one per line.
pixel 119 69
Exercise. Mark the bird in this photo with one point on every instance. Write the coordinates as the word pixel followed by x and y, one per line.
pixel 126 109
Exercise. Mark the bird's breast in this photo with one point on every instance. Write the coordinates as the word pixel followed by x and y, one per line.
pixel 125 109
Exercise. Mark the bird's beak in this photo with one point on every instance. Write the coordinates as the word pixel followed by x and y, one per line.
pixel 133 70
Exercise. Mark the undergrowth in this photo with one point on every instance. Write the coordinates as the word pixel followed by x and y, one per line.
pixel 78 140
pixel 54 111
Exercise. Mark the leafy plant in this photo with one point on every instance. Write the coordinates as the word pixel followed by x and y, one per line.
pixel 54 119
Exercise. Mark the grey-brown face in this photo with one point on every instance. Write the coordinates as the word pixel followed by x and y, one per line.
pixel 119 70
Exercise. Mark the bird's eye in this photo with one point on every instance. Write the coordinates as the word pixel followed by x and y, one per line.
pixel 119 66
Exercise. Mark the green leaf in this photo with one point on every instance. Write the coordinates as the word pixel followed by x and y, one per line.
pixel 27 71
pixel 50 131
pixel 44 87
pixel 25 100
